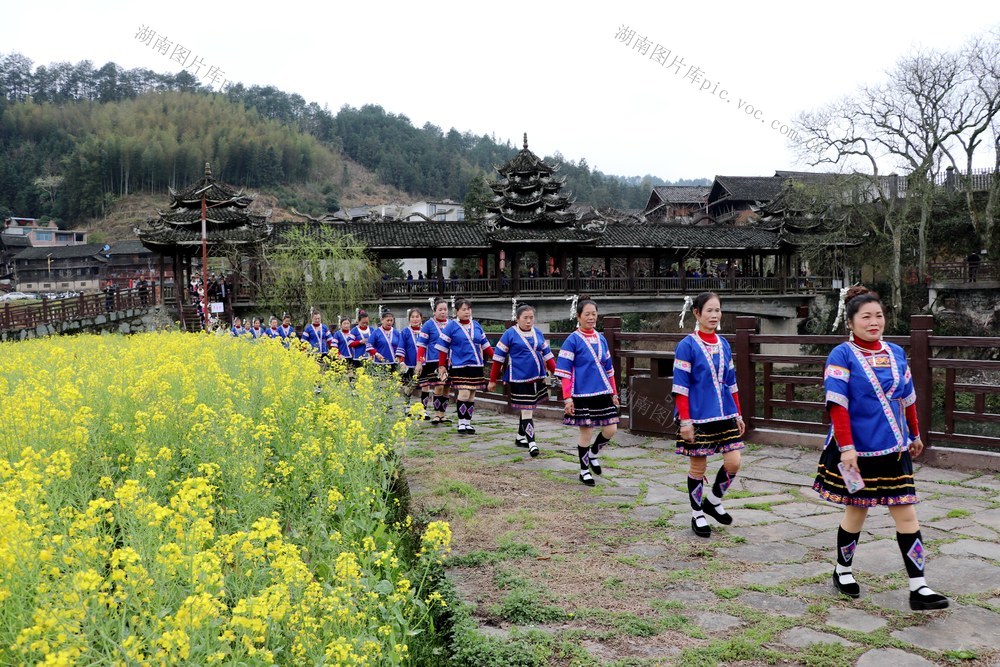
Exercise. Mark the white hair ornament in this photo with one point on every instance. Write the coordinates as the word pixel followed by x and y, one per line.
pixel 430 300
pixel 513 308
pixel 572 306
pixel 841 307
pixel 454 311
pixel 684 310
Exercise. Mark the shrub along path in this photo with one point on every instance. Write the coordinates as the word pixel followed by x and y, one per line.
pixel 555 573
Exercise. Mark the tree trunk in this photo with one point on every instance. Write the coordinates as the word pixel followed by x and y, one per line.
pixel 969 201
pixel 926 199
pixel 990 217
pixel 895 275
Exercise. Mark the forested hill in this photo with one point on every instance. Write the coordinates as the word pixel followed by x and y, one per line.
pixel 75 138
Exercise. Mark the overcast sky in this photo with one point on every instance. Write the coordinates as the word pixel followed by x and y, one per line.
pixel 555 70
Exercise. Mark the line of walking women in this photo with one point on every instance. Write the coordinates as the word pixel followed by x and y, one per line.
pixel 869 394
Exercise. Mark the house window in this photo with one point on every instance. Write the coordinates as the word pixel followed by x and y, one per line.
pixel 43 236
pixel 432 210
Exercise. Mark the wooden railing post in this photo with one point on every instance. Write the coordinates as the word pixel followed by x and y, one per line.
pixel 746 374
pixel 612 327
pixel 921 327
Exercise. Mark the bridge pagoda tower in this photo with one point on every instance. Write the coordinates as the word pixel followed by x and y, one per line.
pixel 231 230
pixel 529 212
pixel 528 193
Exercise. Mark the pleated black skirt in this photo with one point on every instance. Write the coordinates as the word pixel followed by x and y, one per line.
pixel 888 480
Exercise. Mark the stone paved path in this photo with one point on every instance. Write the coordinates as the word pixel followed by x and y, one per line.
pixel 623 578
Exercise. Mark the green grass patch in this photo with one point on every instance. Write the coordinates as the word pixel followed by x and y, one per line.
pixel 727 593
pixel 506 551
pixel 763 507
pixel 964 654
pixel 958 514
pixel 528 604
pixel 467 498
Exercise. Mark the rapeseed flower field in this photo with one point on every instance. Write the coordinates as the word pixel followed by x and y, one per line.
pixel 175 498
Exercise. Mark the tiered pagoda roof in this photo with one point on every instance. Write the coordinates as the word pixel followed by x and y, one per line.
pixel 796 221
pixel 228 221
pixel 528 194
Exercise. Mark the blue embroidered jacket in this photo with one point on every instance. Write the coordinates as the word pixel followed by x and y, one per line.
pixel 429 334
pixel 408 346
pixel 360 351
pixel 526 353
pixel 320 339
pixel 705 373
pixel 341 339
pixel 589 366
pixel 384 343
pixel 876 390
pixel 466 347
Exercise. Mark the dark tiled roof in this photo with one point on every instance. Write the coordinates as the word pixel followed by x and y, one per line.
pixel 60 251
pixel 415 234
pixel 806 175
pixel 467 235
pixel 167 237
pixel 130 247
pixel 566 234
pixel 746 188
pixel 682 194
pixel 213 191
pixel 219 216
pixel 688 236
pixel 526 162
pixel 15 240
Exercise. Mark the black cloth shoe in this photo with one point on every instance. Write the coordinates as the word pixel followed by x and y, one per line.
pixel 533 449
pixel 595 464
pixel 922 602
pixel 700 531
pixel 470 430
pixel 445 420
pixel 717 512
pixel 587 478
pixel 520 441
pixel 435 420
pixel 850 590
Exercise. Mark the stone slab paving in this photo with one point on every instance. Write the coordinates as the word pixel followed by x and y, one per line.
pixel 774 604
pixel 989 550
pixel 804 637
pixel 963 628
pixel 988 518
pixel 955 575
pixel 881 657
pixel 781 544
pixel 878 557
pixel 765 553
pixel 857 621
pixel 930 474
pixel 712 622
pixel 780 574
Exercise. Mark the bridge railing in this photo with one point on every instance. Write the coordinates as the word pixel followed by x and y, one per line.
pixel 603 285
pixel 781 379
pixel 963 272
pixel 31 313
